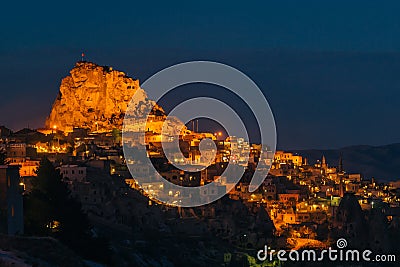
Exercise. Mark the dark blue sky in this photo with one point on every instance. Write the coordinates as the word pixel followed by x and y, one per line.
pixel 330 69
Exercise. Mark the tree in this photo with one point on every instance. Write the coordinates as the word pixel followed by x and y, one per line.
pixel 49 208
pixel 117 136
pixel 51 211
pixel 3 156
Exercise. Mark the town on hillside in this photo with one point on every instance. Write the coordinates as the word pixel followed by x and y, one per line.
pixel 299 205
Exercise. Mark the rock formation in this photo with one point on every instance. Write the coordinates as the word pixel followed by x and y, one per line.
pixel 350 223
pixel 94 97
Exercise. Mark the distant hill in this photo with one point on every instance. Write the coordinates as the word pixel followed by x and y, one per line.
pixel 379 162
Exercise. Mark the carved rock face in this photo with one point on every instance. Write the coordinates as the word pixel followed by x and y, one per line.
pixel 94 97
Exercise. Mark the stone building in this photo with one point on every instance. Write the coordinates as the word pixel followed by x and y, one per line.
pixel 11 205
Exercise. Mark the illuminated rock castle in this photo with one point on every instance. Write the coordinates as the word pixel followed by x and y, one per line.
pixel 93 97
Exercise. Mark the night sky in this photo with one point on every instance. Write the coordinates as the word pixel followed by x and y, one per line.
pixel 329 69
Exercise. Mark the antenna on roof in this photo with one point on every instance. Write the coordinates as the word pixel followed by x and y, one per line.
pixel 83 57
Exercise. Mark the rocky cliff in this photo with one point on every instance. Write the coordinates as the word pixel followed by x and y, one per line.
pixel 94 97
